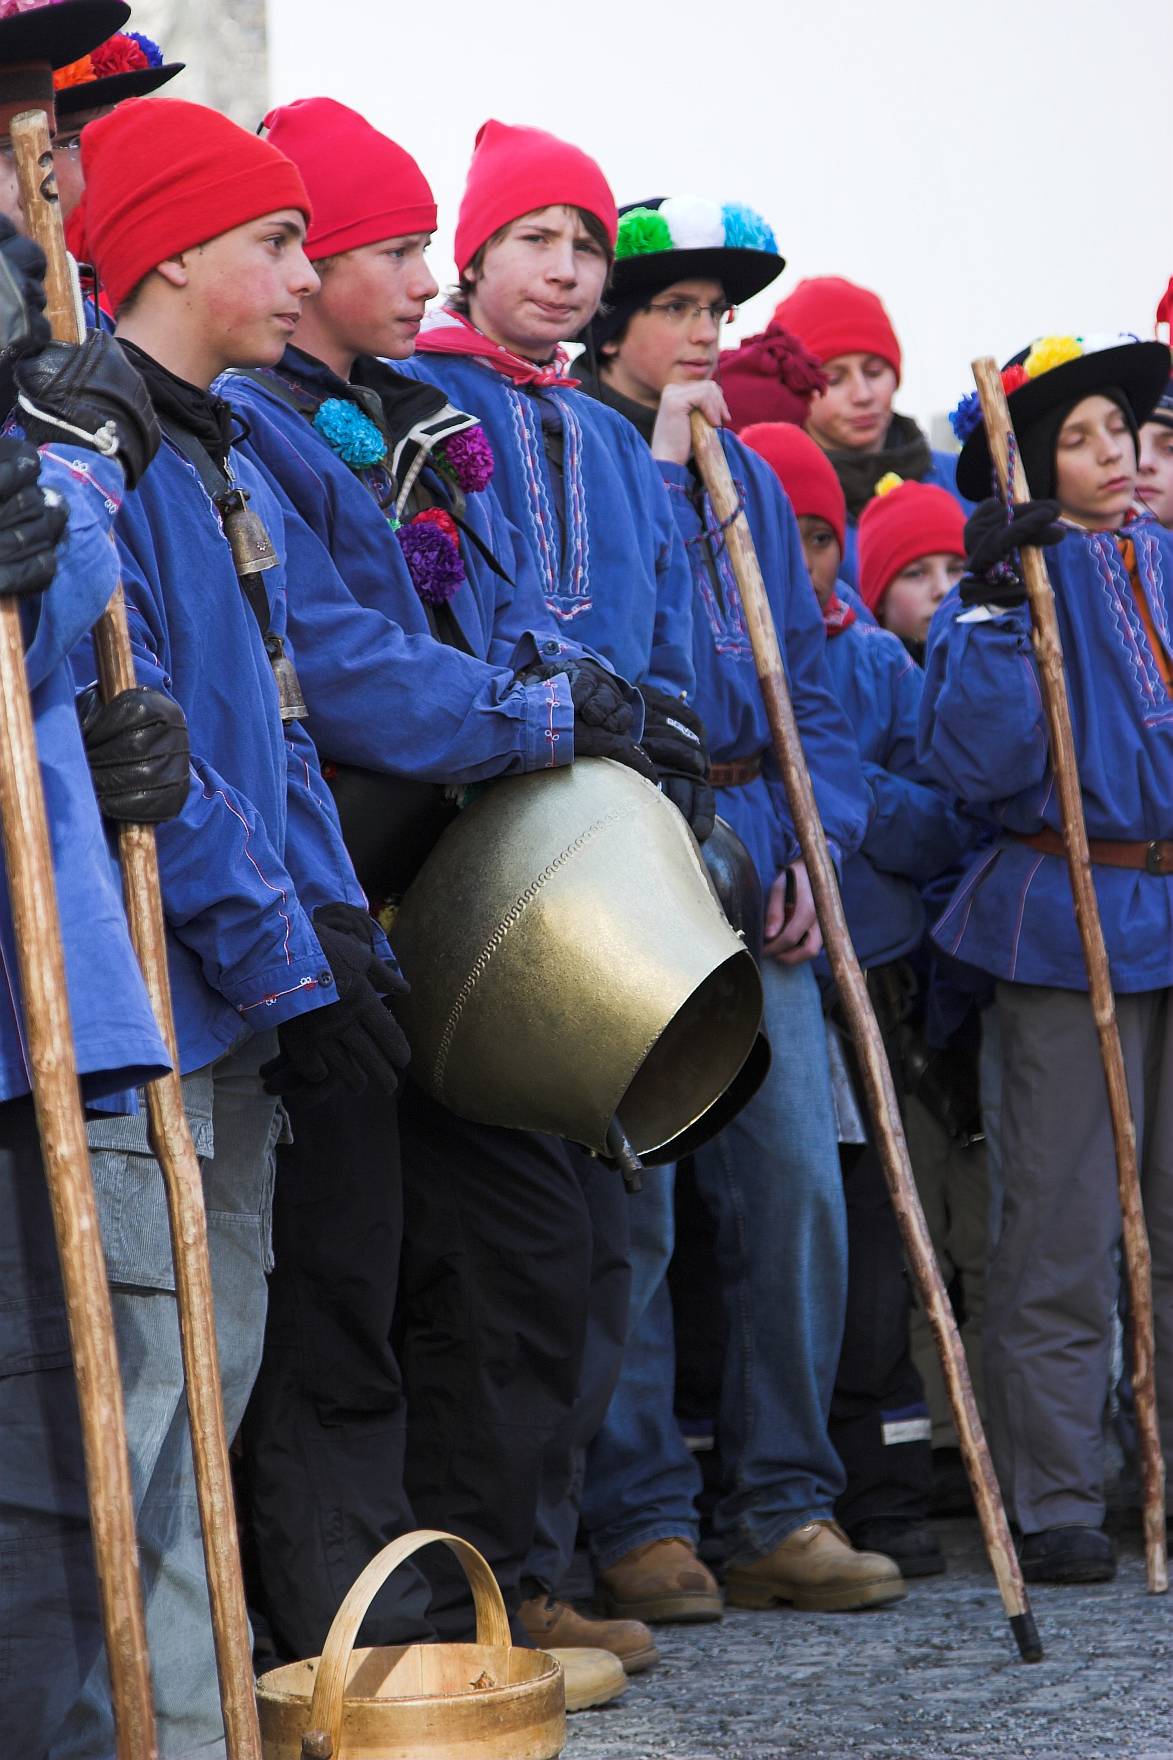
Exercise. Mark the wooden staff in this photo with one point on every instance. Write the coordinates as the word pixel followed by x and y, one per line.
pixel 169 1133
pixel 1049 657
pixel 887 1125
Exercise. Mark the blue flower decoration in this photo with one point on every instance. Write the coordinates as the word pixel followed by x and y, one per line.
pixel 350 433
pixel 745 230
pixel 967 416
pixel 151 50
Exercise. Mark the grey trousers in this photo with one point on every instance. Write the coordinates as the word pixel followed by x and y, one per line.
pixel 1053 1280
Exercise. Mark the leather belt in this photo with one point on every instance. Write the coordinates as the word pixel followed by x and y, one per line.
pixel 736 773
pixel 1150 858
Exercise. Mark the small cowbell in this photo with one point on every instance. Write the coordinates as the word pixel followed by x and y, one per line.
pixel 252 554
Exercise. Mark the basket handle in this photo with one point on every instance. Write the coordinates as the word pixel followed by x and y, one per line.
pixel 323 1736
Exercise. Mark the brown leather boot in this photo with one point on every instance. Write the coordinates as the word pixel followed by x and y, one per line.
pixel 590 1677
pixel 555 1625
pixel 664 1582
pixel 817 1570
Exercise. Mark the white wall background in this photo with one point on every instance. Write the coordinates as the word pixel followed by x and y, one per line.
pixel 994 168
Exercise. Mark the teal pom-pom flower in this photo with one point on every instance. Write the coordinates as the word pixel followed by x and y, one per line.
pixel 350 433
pixel 641 232
pixel 745 230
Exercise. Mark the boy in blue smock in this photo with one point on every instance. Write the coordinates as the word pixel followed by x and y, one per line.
pixel 429 662
pixel 1053 1277
pixel 277 980
pixel 771 1180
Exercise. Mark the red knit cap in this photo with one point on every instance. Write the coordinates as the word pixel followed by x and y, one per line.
pixel 515 171
pixel 363 187
pixel 916 519
pixel 163 175
pixel 835 317
pixel 804 471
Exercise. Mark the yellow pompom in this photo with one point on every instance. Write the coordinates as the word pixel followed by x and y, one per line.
pixel 889 481
pixel 1051 351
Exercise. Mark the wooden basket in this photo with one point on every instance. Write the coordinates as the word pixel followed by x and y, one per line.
pixel 482 1701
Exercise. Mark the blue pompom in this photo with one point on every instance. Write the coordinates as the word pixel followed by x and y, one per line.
pixel 151 50
pixel 745 230
pixel 350 433
pixel 967 416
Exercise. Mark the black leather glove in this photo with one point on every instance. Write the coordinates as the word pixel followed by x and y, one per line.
pixel 139 755
pixel 353 1041
pixel 23 325
pixel 674 739
pixel 603 716
pixel 90 394
pixel 31 523
pixel 992 543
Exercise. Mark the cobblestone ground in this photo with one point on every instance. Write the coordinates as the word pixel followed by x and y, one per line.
pixel 935 1677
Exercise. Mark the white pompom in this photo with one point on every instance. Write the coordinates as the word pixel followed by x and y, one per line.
pixel 695 224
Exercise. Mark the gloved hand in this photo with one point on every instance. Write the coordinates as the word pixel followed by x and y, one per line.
pixel 992 541
pixel 89 393
pixel 138 751
pixel 674 739
pixel 603 717
pixel 350 1042
pixel 31 521
pixel 23 325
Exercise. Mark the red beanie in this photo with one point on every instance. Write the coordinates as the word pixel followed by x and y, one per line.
pixel 916 519
pixel 517 170
pixel 770 377
pixel 363 187
pixel 163 175
pixel 835 317
pixel 804 471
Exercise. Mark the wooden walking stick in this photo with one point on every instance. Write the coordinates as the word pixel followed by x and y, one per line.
pixel 887 1124
pixel 169 1133
pixel 1138 1262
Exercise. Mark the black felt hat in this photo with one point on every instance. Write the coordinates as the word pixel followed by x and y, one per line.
pixel 60 31
pixel 136 82
pixel 1136 371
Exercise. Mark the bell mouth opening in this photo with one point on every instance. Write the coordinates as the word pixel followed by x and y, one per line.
pixel 696 1057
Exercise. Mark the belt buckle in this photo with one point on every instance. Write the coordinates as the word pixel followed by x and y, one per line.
pixel 1154 859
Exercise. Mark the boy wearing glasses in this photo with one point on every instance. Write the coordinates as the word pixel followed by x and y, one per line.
pixel 771 1179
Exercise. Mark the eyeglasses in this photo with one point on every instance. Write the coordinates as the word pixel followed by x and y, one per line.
pixel 689 311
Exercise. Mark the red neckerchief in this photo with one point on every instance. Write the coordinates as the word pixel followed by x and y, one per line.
pixel 837 616
pixel 448 332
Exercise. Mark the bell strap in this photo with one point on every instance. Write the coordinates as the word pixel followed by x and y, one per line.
pixel 736 773
pixel 1155 857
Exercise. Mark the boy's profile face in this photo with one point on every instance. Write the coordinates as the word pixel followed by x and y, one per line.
pixel 244 289
pixel 539 283
pixel 373 298
pixel 1155 481
pixel 674 340
pixel 912 596
pixel 854 413
pixel 1095 464
pixel 821 549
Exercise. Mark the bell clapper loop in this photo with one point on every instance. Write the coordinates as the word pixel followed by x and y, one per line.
pixel 621 1152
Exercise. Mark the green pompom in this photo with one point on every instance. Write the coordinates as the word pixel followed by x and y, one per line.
pixel 641 232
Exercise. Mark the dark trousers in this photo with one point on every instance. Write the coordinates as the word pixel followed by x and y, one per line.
pixel 492 1324
pixel 50 1632
pixel 323 1438
pixel 879 1420
pixel 608 1208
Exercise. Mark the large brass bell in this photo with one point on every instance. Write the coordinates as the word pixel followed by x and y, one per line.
pixel 570 963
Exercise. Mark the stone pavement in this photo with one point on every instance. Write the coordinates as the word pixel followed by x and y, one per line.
pixel 935 1677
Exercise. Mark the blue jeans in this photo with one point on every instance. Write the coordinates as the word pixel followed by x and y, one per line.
pixel 235 1125
pixel 772 1184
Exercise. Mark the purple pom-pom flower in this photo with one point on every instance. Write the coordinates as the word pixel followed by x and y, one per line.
pixel 150 49
pixel 434 561
pixel 468 459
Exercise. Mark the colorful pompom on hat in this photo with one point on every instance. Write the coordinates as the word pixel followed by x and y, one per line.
pixel 516 171
pixel 364 187
pixel 684 238
pixel 1042 384
pixel 902 522
pixel 126 65
pixel 804 471
pixel 834 317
